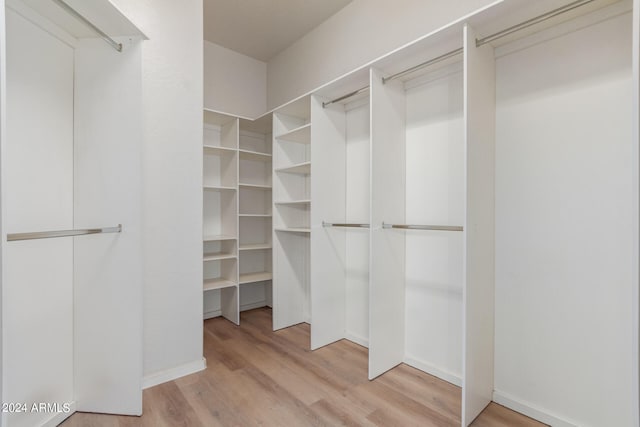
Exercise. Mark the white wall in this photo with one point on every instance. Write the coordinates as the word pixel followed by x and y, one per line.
pixel 172 62
pixel 234 83
pixel 564 221
pixel 359 33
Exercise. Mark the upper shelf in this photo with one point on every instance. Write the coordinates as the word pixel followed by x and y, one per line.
pixel 303 168
pixel 217 150
pixel 101 13
pixel 254 155
pixel 300 134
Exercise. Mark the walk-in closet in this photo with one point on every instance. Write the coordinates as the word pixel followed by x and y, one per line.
pixel 346 212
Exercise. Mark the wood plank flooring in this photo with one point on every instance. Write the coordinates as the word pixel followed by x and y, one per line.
pixel 257 377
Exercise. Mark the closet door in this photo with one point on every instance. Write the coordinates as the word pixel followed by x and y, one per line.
pixel 387 277
pixel 37 175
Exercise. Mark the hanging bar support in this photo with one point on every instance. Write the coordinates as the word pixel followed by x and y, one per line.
pixel 71 11
pixel 347 96
pixel 351 225
pixel 423 227
pixel 62 233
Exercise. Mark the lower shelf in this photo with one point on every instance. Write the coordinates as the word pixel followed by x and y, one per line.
pixel 211 284
pixel 255 277
pixel 293 229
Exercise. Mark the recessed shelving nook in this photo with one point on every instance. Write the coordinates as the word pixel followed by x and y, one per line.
pixel 236 214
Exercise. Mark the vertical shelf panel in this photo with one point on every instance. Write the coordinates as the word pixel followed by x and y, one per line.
pixel 387 279
pixel 478 291
pixel 291 237
pixel 328 245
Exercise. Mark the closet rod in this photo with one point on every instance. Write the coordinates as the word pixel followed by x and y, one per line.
pixel 62 233
pixel 528 23
pixel 343 97
pixel 500 34
pixel 424 227
pixel 337 224
pixel 117 46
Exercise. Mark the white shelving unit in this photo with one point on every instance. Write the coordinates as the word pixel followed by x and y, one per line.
pixel 291 213
pixel 220 217
pixel 236 214
pixel 255 212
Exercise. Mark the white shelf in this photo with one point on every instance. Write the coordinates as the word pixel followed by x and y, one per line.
pixel 218 188
pixel 293 202
pixel 255 277
pixel 255 186
pixel 300 134
pixel 255 246
pixel 218 256
pixel 212 284
pixel 303 168
pixel 218 237
pixel 293 229
pixel 216 149
pixel 254 155
pixel 255 215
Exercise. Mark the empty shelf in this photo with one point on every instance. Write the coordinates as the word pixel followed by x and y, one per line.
pixel 255 215
pixel 218 237
pixel 217 256
pixel 293 202
pixel 300 168
pixel 293 229
pixel 254 155
pixel 255 186
pixel 255 246
pixel 255 277
pixel 212 149
pixel 300 134
pixel 211 284
pixel 218 188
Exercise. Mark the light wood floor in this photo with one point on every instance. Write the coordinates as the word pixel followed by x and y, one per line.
pixel 257 377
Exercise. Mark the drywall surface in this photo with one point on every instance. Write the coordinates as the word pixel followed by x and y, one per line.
pixel 172 90
pixel 234 83
pixel 361 32
pixel 564 191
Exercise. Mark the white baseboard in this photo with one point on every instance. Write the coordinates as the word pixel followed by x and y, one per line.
pixel 531 410
pixel 433 370
pixel 59 417
pixel 259 304
pixel 174 373
pixel 211 314
pixel 357 339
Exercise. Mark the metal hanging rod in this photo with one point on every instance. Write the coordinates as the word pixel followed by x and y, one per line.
pixel 62 233
pixel 500 34
pixel 117 46
pixel 424 227
pixel 349 95
pixel 528 23
pixel 351 225
pixel 423 65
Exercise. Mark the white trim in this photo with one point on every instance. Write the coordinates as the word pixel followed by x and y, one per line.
pixel 211 314
pixel 59 417
pixel 357 339
pixel 259 304
pixel 433 370
pixel 174 373
pixel 531 410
